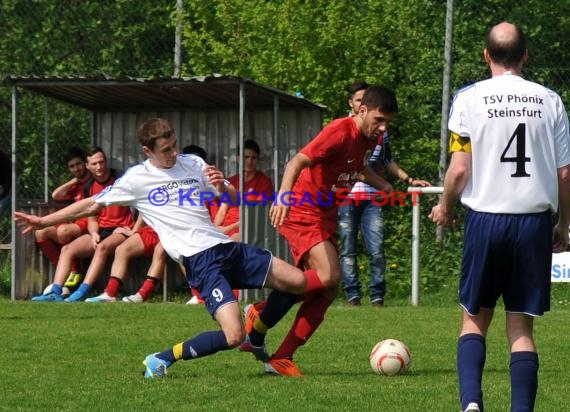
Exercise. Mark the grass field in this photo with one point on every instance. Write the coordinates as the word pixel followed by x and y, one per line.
pixel 88 357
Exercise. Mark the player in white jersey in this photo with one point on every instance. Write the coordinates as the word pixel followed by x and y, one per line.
pixel 510 147
pixel 169 191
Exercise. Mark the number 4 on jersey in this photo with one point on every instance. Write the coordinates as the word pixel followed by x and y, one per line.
pixel 520 136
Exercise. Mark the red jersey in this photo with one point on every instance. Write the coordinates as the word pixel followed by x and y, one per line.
pixel 75 193
pixel 110 216
pixel 339 154
pixel 260 183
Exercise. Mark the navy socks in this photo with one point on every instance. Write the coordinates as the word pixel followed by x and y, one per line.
pixel 524 380
pixel 471 353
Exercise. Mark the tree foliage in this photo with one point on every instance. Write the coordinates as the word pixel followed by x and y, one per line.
pixel 313 47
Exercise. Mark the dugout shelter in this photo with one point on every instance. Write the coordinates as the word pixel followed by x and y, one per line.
pixel 216 112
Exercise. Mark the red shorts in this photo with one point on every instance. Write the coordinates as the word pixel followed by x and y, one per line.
pixel 302 235
pixel 82 223
pixel 149 238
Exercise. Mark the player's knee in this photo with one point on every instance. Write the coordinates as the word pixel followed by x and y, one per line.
pixel 329 279
pixel 103 249
pixel 39 234
pixel 65 249
pixel 235 337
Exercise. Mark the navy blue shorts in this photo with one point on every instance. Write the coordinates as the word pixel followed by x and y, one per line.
pixel 216 271
pixel 508 256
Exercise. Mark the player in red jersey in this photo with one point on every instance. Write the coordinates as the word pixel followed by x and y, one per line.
pixel 50 239
pixel 143 242
pixel 305 213
pixel 105 232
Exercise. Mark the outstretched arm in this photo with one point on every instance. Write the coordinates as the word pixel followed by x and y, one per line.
pixel 83 208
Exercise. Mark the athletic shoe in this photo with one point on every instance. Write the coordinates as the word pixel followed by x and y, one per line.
pixel 378 303
pixel 194 300
pixel 260 352
pixel 283 367
pixel 76 296
pixel 250 314
pixel 73 280
pixel 48 297
pixel 103 297
pixel 155 368
pixel 136 298
pixel 355 301
pixel 472 407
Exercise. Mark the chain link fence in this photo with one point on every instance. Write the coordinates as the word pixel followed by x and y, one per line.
pixel 53 37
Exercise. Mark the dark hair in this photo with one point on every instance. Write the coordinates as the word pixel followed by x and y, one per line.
pixel 152 129
pixel 356 87
pixel 73 153
pixel 250 144
pixel 196 150
pixel 93 150
pixel 381 98
pixel 506 52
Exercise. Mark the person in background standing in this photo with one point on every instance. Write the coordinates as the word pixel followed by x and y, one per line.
pixel 363 214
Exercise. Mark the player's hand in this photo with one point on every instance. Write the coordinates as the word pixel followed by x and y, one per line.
pixel 560 239
pixel 419 182
pixel 215 177
pixel 27 222
pixel 125 231
pixel 387 187
pixel 441 217
pixel 279 210
pixel 95 239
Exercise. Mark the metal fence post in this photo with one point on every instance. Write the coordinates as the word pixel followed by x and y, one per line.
pixel 416 238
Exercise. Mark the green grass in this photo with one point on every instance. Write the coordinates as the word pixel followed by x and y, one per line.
pixel 88 357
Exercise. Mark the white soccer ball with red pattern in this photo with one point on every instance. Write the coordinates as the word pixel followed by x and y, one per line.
pixel 390 357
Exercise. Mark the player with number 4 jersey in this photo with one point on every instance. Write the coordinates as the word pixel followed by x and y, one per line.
pixel 510 166
pixel 521 129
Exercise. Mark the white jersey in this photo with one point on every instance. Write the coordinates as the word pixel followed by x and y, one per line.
pixel 519 136
pixel 171 202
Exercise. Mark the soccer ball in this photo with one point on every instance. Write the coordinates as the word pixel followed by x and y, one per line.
pixel 64 290
pixel 390 357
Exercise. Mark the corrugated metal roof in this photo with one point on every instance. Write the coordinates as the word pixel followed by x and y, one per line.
pixel 105 93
